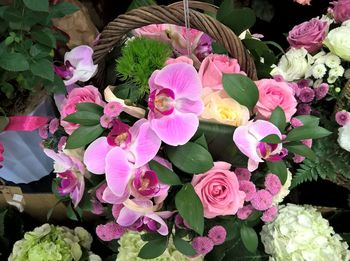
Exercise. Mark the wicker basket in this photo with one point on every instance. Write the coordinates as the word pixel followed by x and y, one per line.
pixel 116 30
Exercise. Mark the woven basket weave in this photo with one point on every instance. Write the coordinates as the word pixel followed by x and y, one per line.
pixel 116 31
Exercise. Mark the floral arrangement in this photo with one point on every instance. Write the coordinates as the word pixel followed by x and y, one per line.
pixel 186 150
pixel 301 233
pixel 316 66
pixel 49 242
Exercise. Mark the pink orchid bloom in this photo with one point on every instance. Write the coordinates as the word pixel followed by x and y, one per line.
pixel 71 172
pixel 137 209
pixel 78 65
pixel 118 155
pixel 248 140
pixel 175 103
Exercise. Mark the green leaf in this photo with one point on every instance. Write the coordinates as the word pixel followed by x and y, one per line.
pixel 202 141
pixel 139 3
pixel 71 214
pixel 218 48
pixel 238 20
pixel 190 158
pixel 164 174
pixel 83 135
pixel 302 150
pixel 151 236
pixel 43 69
pixel 279 168
pixel 308 120
pixel 278 118
pixel 37 5
pixel 241 88
pixel 153 248
pixel 84 118
pixel 249 238
pixel 8 89
pixel 12 15
pixel 272 138
pixel 45 37
pixel 3 122
pixel 39 51
pixel 190 208
pixel 57 86
pixel 85 203
pixel 184 247
pixel 63 9
pixel 51 210
pixel 15 62
pixel 90 107
pixel 307 132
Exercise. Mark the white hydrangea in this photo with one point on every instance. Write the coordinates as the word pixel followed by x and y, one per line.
pixel 301 233
pixel 293 65
pixel 344 137
pixel 332 61
pixel 279 197
pixel 318 70
pixel 131 244
pixel 336 71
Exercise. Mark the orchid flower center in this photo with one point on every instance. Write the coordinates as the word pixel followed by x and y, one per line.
pixel 65 71
pixel 162 101
pixel 119 135
pixel 270 152
pixel 146 183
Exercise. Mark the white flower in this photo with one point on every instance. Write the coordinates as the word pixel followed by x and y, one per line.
pixel 347 74
pixel 336 71
pixel 338 41
pixel 301 233
pixel 278 198
pixel 318 58
pixel 327 19
pixel 332 79
pixel 131 243
pixel 292 65
pixel 317 83
pixel 332 60
pixel 344 137
pixel 318 71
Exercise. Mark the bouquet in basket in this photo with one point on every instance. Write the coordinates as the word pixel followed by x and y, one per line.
pixel 189 152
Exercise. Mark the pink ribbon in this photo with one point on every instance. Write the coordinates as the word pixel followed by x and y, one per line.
pixel 26 123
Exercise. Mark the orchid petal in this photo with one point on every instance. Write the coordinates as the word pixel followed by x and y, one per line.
pixel 95 155
pixel 78 192
pixel 261 129
pixel 109 197
pixel 127 217
pixel 252 165
pixel 118 171
pixel 175 129
pixel 182 78
pixel 78 54
pixel 62 161
pixel 145 145
pixel 163 229
pixel 187 106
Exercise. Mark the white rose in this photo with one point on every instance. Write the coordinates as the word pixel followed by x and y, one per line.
pixel 344 137
pixel 337 71
pixel 293 65
pixel 332 60
pixel 338 42
pixel 319 70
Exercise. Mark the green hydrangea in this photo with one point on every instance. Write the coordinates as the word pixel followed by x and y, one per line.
pixel 131 244
pixel 301 233
pixel 51 243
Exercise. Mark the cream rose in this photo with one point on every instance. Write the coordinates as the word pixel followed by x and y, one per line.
pixel 293 65
pixel 218 106
pixel 338 41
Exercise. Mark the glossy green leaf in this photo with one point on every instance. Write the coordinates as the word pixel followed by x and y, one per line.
pixel 302 150
pixel 191 158
pixel 151 236
pixel 43 68
pixel 308 120
pixel 63 9
pixel 71 214
pixel 278 118
pixel 37 5
pixel 83 136
pixel 249 238
pixel 272 138
pixel 241 88
pixel 279 168
pixel 83 118
pixel 90 107
pixel 190 208
pixel 15 62
pixel 164 174
pixel 202 141
pixel 45 37
pixel 307 132
pixel 153 248
pixel 184 247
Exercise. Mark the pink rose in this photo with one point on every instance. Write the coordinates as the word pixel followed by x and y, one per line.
pixel 341 10
pixel 153 31
pixel 78 95
pixel 309 35
pixel 273 94
pixel 180 59
pixel 218 189
pixel 212 68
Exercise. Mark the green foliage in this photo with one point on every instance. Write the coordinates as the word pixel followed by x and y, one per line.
pixel 27 41
pixel 331 160
pixel 140 3
pixel 140 58
pixel 154 248
pixel 164 174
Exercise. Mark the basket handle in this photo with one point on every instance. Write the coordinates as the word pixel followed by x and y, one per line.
pixel 155 14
